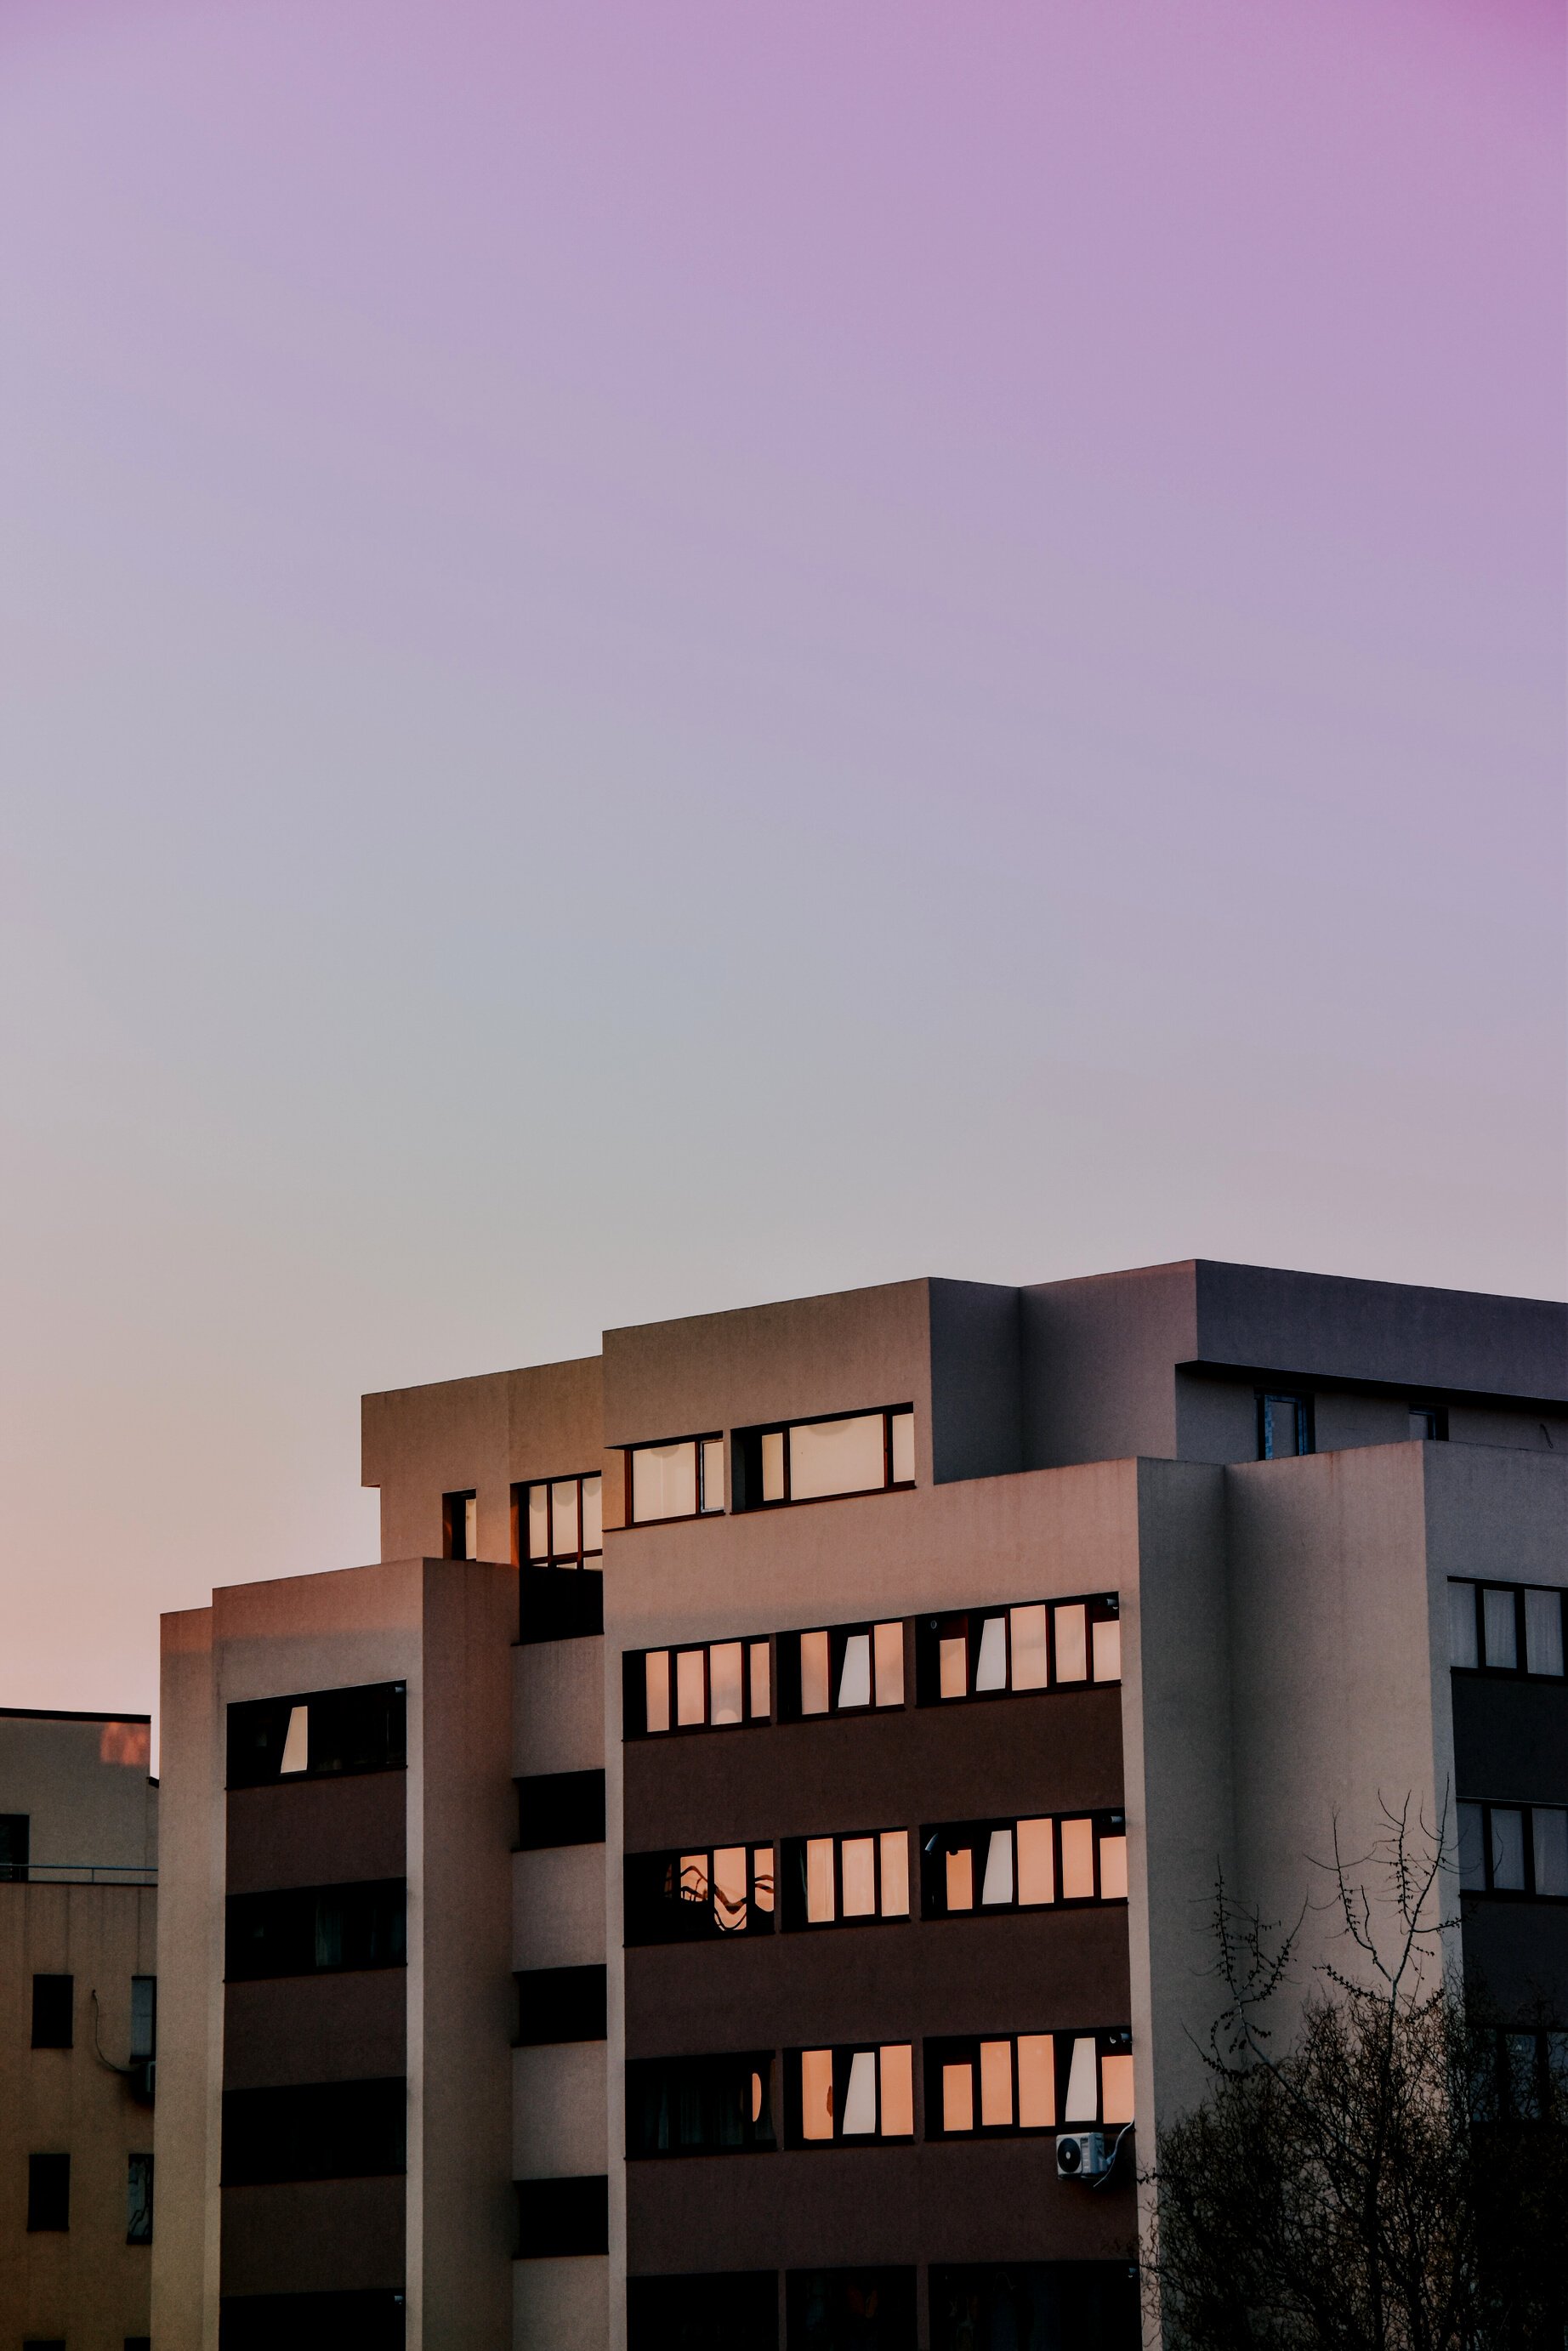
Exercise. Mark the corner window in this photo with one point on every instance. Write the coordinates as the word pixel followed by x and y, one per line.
pixel 813 1460
pixel 838 1881
pixel 842 1669
pixel 1284 1426
pixel 1514 1849
pixel 1505 1628
pixel 850 2097
pixel 683 1479
pixel 559 1522
pixel 700 2106
pixel 713 1688
pixel 460 1525
pixel 973 1867
pixel 988 1652
pixel 322 1735
pixel 139 2200
pixel 699 1895
pixel 1027 2081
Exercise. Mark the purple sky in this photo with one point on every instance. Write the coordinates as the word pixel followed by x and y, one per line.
pixel 661 655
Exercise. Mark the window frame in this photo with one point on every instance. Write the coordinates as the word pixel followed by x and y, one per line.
pixel 843 2055
pixel 955 2049
pixel 705 1507
pixel 937 1839
pixel 793 1895
pixel 241 1711
pixel 139 2213
pixel 459 1514
pixel 581 1558
pixel 640 1902
pixel 932 1631
pixel 839 1636
pixel 1305 1404
pixel 1487 1891
pixel 634 1676
pixel 1522 1670
pixel 757 2063
pixel 747 1471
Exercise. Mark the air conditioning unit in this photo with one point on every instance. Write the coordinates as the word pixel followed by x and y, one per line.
pixel 1081 2155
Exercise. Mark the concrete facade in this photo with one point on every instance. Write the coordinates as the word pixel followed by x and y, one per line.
pixel 1248 1657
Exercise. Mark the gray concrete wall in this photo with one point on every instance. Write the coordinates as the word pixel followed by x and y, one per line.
pixel 1098 1358
pixel 976 1381
pixel 83 1781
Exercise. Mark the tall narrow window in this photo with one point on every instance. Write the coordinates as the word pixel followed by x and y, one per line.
pixel 1284 1426
pixel 143 2017
pixel 48 2192
pixel 14 1845
pixel 460 1525
pixel 139 2200
pixel 53 2008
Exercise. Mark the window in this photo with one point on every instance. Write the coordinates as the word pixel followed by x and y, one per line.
pixel 322 1734
pixel 1284 1426
pixel 559 2218
pixel 700 2106
pixel 1004 2307
pixel 698 1894
pixel 139 2200
pixel 1028 2082
pixel 372 2320
pixel 460 1526
pixel 736 2309
pixel 556 2004
pixel 985 1652
pixel 713 1688
pixel 842 1669
pixel 312 1931
pixel 1505 1628
pixel 559 1522
pixel 48 2192
pixel 1519 2077
pixel 810 1460
pixel 52 2012
pixel 143 2017
pixel 14 1841
pixel 836 1881
pixel 850 2097
pixel 1429 1422
pixel 972 1866
pixel 329 2130
pixel 681 1481
pixel 560 1808
pixel 1514 1849
pixel 829 2309
pixel 553 1607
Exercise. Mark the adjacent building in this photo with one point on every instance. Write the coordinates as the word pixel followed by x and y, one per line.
pixel 79 1848
pixel 738 1870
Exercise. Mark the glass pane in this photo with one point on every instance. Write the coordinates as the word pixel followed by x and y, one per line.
pixel 471 1527
pixel 564 1542
pixel 904 1449
pixel 955 1658
pixel 996 2081
pixel 773 1466
pixel 1037 2081
pixel 1507 1849
pixel 762 1875
pixel 820 1907
pixel 297 1740
pixel 1472 1849
pixel 761 1683
pixel 997 1885
pixel 1077 1861
pixel 1028 1648
pixel 725 1704
pixel 858 1862
pixel 960 1887
pixel 690 1693
pixel 539 1521
pixel 1081 2102
pixel 657 1684
pixel 836 1456
pixel 1114 1869
pixel 143 2012
pixel 696 1885
pixel 1462 1646
pixel 664 1481
pixel 1543 1632
pixel 1072 1644
pixel 894 1874
pixel 897 2071
pixel 991 1665
pixel 1036 1865
pixel 817 2093
pixel 1108 1649
pixel 813 1672
pixel 888 1645
pixel 729 1887
pixel 855 1680
pixel 860 2096
pixel 1502 1630
pixel 1116 2089
pixel 593 1514
pixel 1551 1829
pixel 957 2098
pixel 713 1473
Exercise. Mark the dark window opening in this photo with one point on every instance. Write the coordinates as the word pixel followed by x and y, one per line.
pixel 1429 1423
pixel 556 1608
pixel 1519 2077
pixel 699 1895
pixel 460 1525
pixel 560 1808
pixel 700 2106
pixel 144 2018
pixel 48 2192
pixel 328 2130
pixel 1035 2306
pixel 139 2200
pixel 315 1930
pixel 736 2309
pixel 53 2006
pixel 14 1847
pixel 1284 1426
pixel 561 2217
pixel 560 2004
pixel 312 2321
pixel 317 1735
pixel 850 2310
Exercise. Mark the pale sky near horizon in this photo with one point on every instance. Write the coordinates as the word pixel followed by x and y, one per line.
pixel 659 654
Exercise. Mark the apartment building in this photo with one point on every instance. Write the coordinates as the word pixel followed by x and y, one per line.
pixel 79 1848
pixel 737 1870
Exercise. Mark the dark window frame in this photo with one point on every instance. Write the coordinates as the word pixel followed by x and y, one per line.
pixel 656 1911
pixel 932 1631
pixel 843 2056
pixel 1520 1671
pixel 1488 1892
pixel 745 1459
pixel 635 1686
pixel 704 1509
pixel 48 2194
pixel 254 1714
pixel 705 2077
pixel 793 1884
pixel 562 2217
pixel 304 2117
pixel 54 2012
pixel 15 1847
pixel 382 1903
pixel 839 1636
pixel 579 1559
pixel 455 1522
pixel 139 2206
pixel 1305 1404
pixel 954 2048
pixel 941 1837
pixel 577 1798
pixel 557 2006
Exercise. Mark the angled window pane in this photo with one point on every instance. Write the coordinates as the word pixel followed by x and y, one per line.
pixel 1472 1849
pixel 1108 1649
pixel 903 1426
pixel 961 1879
pixel 691 1694
pixel 773 1466
pixel 954 1666
pixel 888 1644
pixel 817 2093
pixel 996 2081
pixel 1114 1869
pixel 1030 1667
pixel 957 2098
pixel 564 1542
pixel 854 1680
pixel 991 1665
pixel 1037 2081
pixel 729 1887
pixel 1072 1643
pixel 813 1672
pixel 296 1745
pixel 1507 1849
pixel 1463 1649
pixel 1116 2089
pixel 860 2096
pixel 539 1521
pixel 857 1860
pixel 1077 1861
pixel 1551 1831
pixel 1501 1629
pixel 761 1682
pixel 998 1884
pixel 894 1874
pixel 897 2077
pixel 724 1664
pixel 1543 1632
pixel 836 1456
pixel 821 1906
pixel 1082 2103
pixel 1037 1864
pixel 656 1689
pixel 593 1514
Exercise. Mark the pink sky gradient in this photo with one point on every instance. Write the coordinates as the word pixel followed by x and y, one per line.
pixel 659 655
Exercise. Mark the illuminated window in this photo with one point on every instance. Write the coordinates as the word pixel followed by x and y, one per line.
pixel 682 1480
pixel 840 1670
pixel 835 1881
pixel 559 1522
pixel 990 1652
pixel 715 1686
pixel 812 1460
pixel 699 1894
pixel 855 2096
pixel 968 1868
pixel 1013 2084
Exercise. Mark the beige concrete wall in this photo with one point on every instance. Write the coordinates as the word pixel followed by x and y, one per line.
pixel 558 2107
pixel 559 1706
pixel 562 2306
pixel 82 1781
pixel 485 1434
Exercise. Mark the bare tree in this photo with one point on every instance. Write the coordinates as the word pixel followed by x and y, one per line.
pixel 1392 2176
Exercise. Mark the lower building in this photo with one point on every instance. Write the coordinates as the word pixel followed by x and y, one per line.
pixel 78 1846
pixel 738 1870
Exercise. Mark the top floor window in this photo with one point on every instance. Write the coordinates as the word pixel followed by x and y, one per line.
pixel 559 1522
pixel 810 1460
pixel 986 1652
pixel 326 1733
pixel 683 1479
pixel 1505 1628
